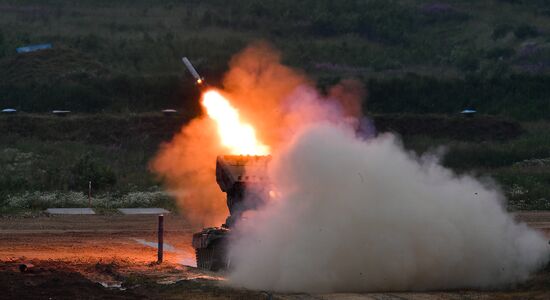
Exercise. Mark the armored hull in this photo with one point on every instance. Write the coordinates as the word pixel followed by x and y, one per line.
pixel 244 180
pixel 211 248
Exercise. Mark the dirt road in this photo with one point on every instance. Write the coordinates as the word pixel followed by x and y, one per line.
pixel 94 237
pixel 76 256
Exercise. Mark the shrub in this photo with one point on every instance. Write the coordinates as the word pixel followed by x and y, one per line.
pixel 500 53
pixel 43 200
pixel 480 157
pixel 144 199
pixel 501 31
pixel 526 31
pixel 88 169
pixel 38 200
pixel 465 59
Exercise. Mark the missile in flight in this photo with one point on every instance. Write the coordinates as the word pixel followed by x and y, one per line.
pixel 192 70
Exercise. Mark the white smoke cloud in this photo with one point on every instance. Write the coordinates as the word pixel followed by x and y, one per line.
pixel 365 215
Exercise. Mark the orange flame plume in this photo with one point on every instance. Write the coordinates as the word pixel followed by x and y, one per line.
pixel 236 135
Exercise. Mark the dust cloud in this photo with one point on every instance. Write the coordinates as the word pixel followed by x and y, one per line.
pixel 363 214
pixel 187 165
pixel 358 215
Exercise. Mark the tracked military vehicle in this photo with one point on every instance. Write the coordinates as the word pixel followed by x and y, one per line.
pixel 244 180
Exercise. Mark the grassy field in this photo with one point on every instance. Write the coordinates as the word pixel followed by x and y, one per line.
pixel 48 161
pixel 520 166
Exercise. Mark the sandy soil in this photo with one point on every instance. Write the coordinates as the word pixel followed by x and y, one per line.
pixel 112 256
pixel 94 237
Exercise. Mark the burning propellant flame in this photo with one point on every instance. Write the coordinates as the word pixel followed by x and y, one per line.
pixel 239 137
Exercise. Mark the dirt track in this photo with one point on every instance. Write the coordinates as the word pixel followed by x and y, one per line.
pixel 93 237
pixel 71 254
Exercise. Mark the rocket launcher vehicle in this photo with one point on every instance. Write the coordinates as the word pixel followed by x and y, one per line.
pixel 244 180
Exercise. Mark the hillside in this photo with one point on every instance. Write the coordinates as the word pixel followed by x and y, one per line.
pixel 413 56
pixel 48 158
pixel 369 37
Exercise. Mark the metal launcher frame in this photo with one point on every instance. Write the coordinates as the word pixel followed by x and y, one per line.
pixel 245 182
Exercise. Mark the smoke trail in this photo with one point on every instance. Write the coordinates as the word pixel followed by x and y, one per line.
pixel 359 215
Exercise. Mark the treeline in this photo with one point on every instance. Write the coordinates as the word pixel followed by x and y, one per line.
pixel 523 97
pixel 119 94
pixel 382 20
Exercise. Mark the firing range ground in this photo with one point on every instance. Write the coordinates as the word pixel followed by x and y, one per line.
pixel 72 254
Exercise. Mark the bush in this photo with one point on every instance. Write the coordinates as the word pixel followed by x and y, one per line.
pixel 144 199
pixel 88 169
pixel 526 31
pixel 480 157
pixel 500 53
pixel 43 200
pixel 501 31
pixel 465 59
pixel 526 190
pixel 519 96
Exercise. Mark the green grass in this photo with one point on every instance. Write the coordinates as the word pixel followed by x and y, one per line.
pixel 38 201
pixel 52 153
pixel 521 165
pixel 47 161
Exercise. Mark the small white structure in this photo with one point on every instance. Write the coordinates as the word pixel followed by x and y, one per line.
pixel 468 112
pixel 61 113
pixel 70 211
pixel 9 111
pixel 169 112
pixel 143 211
